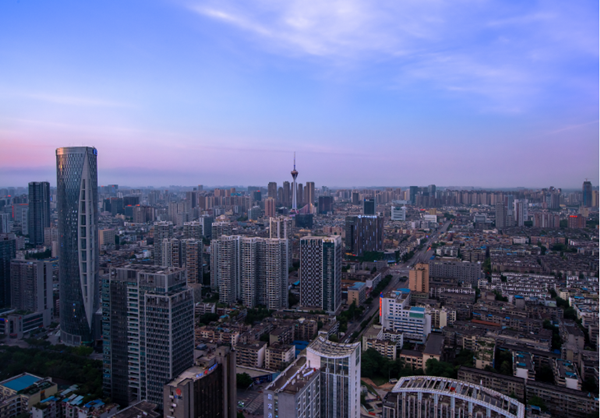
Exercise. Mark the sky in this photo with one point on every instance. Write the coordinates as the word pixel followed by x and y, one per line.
pixel 366 92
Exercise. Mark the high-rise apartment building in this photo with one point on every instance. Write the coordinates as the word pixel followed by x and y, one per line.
pixel 309 194
pixel 287 197
pixel 205 390
pixel 412 193
pixel 500 215
pixel 418 278
pixel 171 253
pixel 162 230
pixel 320 272
pixel 31 287
pixel 369 206
pixel 225 267
pixel 546 220
pixel 8 251
pixel 276 270
pixel 280 227
pixel 77 205
pixel 587 194
pixel 252 269
pixel 521 211
pixel 325 204
pixel 364 233
pixel 269 207
pixel 191 257
pixel 272 190
pixel 221 228
pixel 300 195
pixel 39 211
pixel 339 367
pixel 193 230
pixel 148 331
pixel 355 198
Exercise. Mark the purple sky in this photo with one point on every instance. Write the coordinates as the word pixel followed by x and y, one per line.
pixel 474 93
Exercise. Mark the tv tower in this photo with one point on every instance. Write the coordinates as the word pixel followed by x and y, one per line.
pixel 294 188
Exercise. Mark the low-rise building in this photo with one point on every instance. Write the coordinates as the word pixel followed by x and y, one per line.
pixel 19 393
pixel 523 365
pixel 357 293
pixel 251 354
pixel 279 356
pixel 564 402
pixel 565 374
pixel 507 385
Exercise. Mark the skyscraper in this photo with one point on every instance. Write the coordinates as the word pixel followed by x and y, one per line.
pixel 39 211
pixel 321 272
pixel 225 268
pixel 294 187
pixel 300 195
pixel 369 206
pixel 148 331
pixel 412 193
pixel 272 190
pixel 31 287
pixel 206 390
pixel 325 204
pixel 270 207
pixel 77 204
pixel 280 227
pixel 500 215
pixel 309 194
pixel 8 251
pixel 287 197
pixel 339 367
pixel 162 230
pixel 587 194
pixel 364 233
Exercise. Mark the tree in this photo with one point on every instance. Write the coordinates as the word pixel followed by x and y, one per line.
pixel 208 317
pixel 243 380
pixel 334 338
pixel 545 375
pixel 292 299
pixel 539 402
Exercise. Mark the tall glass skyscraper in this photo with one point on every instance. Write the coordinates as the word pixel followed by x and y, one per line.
pixel 39 211
pixel 77 204
pixel 587 194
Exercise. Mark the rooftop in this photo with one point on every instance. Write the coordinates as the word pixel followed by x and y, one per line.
pixel 20 382
pixel 193 373
pixel 294 378
pixel 327 348
pixel 434 344
pixel 142 408
pixel 457 388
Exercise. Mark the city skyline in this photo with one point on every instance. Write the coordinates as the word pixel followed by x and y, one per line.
pixel 499 92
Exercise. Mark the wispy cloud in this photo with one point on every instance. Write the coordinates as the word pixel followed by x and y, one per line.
pixel 75 101
pixel 505 53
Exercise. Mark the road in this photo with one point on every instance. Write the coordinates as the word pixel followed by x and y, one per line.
pixel 397 271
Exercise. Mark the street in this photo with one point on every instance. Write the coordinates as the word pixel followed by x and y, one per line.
pixel 397 271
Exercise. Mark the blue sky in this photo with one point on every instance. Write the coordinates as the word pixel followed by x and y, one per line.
pixel 474 93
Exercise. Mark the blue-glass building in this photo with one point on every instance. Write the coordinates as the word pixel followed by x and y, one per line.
pixel 77 204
